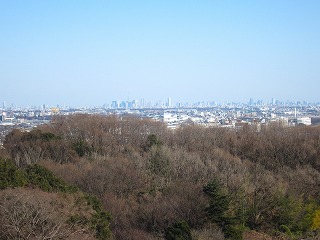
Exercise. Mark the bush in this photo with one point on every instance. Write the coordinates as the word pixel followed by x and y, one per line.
pixel 82 148
pixel 10 175
pixel 44 179
pixel 316 221
pixel 178 231
pixel 152 140
pixel 101 219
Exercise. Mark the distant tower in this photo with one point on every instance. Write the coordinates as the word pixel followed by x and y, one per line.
pixel 135 103
pixel 169 102
pixel 115 104
pixel 273 101
pixel 4 105
pixel 123 105
pixel 142 103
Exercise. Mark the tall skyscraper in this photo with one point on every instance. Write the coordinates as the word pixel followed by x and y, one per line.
pixel 124 105
pixel 4 105
pixel 142 102
pixel 169 104
pixel 135 103
pixel 115 104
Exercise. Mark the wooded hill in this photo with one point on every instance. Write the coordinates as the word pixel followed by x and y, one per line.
pixel 190 183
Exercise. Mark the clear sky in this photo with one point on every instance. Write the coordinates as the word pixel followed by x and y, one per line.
pixel 91 52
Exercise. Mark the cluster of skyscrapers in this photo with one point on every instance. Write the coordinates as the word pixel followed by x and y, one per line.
pixel 135 104
pixel 140 104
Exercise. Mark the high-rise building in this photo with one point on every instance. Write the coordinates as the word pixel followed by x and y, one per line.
pixel 134 103
pixel 129 104
pixel 4 105
pixel 142 102
pixel 123 105
pixel 114 105
pixel 169 104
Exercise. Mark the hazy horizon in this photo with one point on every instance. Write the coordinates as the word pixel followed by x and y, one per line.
pixel 92 52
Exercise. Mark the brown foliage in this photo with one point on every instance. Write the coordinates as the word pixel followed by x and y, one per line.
pixel 107 135
pixel 148 188
pixel 33 214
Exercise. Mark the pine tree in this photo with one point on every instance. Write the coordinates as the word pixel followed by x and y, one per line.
pixel 219 210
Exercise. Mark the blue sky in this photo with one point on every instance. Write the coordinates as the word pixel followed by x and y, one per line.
pixel 92 52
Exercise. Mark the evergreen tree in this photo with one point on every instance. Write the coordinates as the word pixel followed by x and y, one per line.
pixel 219 210
pixel 178 231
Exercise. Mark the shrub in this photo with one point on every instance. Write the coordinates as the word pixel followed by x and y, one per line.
pixel 100 219
pixel 152 140
pixel 316 220
pixel 44 179
pixel 178 231
pixel 10 175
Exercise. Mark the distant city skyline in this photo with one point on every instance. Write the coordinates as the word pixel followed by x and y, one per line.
pixel 163 103
pixel 90 53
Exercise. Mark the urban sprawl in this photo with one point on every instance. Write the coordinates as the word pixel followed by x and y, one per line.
pixel 207 114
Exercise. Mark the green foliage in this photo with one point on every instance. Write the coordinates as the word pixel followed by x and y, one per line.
pixel 152 140
pixel 78 219
pixel 82 148
pixel 285 229
pixel 219 204
pixel 295 216
pixel 44 179
pixel 219 211
pixel 100 219
pixel 94 202
pixel 159 162
pixel 316 220
pixel 100 222
pixel 31 147
pixel 235 231
pixel 10 175
pixel 178 231
pixel 39 135
pixel 310 216
pixel 47 136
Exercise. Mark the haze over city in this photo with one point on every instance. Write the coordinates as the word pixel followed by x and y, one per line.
pixel 94 52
